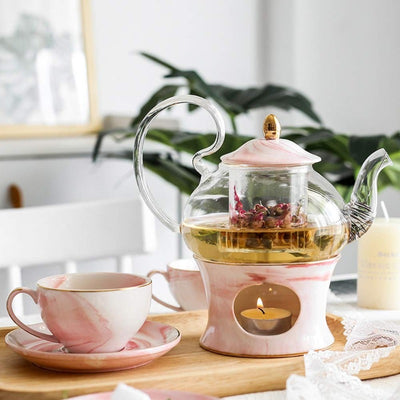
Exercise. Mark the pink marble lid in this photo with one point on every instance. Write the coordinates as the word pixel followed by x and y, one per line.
pixel 270 153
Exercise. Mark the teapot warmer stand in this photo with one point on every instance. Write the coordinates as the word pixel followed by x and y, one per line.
pixel 299 288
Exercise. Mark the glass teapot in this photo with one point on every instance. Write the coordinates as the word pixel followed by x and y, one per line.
pixel 265 203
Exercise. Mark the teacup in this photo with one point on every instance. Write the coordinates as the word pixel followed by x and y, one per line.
pixel 185 283
pixel 89 312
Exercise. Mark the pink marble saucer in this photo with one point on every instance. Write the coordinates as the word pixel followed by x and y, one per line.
pixel 154 395
pixel 153 340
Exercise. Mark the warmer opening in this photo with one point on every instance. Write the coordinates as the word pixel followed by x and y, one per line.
pixel 267 309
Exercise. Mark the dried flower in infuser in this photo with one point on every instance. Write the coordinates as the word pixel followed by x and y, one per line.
pixel 273 215
pixel 238 203
pixel 270 222
pixel 258 220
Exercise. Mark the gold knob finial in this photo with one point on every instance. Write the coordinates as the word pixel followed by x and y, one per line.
pixel 272 127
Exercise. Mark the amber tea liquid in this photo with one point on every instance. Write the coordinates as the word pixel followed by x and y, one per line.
pixel 212 238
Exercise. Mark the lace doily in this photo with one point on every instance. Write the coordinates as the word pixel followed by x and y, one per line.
pixel 330 375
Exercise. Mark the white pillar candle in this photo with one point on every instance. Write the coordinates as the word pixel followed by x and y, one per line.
pixel 378 283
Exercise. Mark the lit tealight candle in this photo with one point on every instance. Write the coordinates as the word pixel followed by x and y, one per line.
pixel 266 320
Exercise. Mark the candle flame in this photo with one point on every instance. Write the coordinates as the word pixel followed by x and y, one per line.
pixel 260 303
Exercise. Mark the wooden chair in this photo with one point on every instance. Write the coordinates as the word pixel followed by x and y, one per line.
pixel 67 234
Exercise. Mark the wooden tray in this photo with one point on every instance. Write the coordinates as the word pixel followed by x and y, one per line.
pixel 186 367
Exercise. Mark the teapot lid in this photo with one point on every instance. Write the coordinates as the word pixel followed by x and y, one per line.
pixel 270 151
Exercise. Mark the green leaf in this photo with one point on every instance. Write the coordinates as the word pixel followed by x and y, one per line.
pixel 97 145
pixel 390 176
pixel 237 101
pixel 190 142
pixel 118 132
pixel 193 107
pixel 161 94
pixel 337 144
pixel 307 135
pixel 170 138
pixel 344 191
pixel 361 147
pixel 197 84
pixel 390 144
pixel 186 179
pixel 158 61
pixel 268 95
pixel 334 170
pixel 194 83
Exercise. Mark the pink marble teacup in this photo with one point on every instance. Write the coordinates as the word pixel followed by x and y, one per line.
pixel 185 283
pixel 89 312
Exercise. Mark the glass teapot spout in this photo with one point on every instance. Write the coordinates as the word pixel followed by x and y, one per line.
pixel 361 210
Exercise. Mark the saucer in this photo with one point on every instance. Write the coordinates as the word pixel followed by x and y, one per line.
pixel 153 340
pixel 154 395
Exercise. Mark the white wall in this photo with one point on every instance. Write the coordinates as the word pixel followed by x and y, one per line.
pixel 348 60
pixel 217 38
pixel 345 56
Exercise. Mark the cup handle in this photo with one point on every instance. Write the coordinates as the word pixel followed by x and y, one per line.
pixel 158 300
pixel 34 332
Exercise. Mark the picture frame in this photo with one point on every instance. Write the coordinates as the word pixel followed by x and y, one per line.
pixel 47 76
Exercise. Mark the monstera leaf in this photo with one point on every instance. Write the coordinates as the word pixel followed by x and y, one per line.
pixel 234 101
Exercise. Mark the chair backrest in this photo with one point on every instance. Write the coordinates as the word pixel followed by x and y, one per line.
pixel 68 233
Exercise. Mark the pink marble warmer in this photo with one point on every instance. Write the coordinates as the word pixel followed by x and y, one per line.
pixel 308 284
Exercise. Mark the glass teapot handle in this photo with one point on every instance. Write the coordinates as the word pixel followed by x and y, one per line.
pixel 197 161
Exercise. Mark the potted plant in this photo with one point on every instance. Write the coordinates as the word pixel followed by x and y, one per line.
pixel 342 154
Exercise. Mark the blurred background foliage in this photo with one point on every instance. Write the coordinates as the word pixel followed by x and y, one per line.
pixel 342 154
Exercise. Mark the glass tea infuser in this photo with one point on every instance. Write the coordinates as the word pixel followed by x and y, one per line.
pixel 266 231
